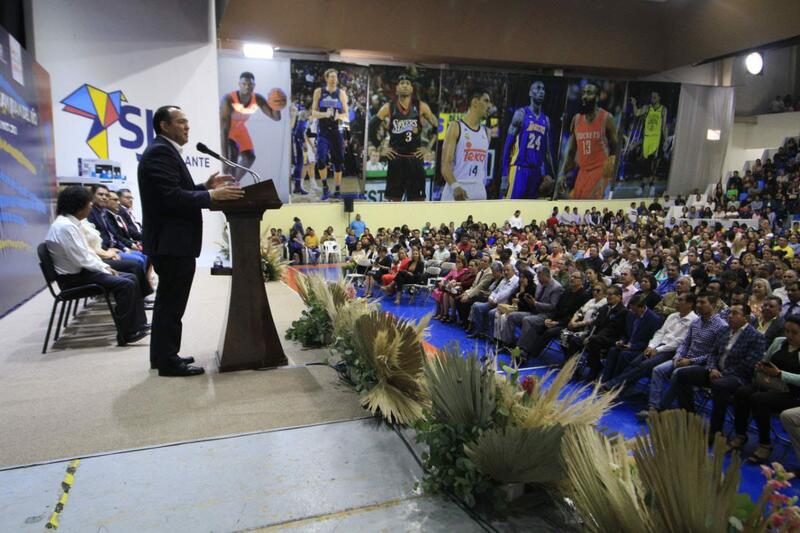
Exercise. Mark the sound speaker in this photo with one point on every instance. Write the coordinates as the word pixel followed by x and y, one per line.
pixel 348 205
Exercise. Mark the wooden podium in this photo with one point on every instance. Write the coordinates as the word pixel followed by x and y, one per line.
pixel 249 339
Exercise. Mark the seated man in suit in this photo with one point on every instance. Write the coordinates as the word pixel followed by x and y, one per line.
pixel 76 264
pixel 770 323
pixel 667 305
pixel 548 293
pixel 123 225
pixel 111 238
pixel 481 316
pixel 126 210
pixel 729 366
pixel 609 327
pixel 640 326
pixel 661 347
pixel 569 302
pixel 489 273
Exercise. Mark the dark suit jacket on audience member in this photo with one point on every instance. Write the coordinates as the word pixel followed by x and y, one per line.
pixel 745 353
pixel 108 234
pixel 773 331
pixel 568 305
pixel 610 322
pixel 133 228
pixel 548 297
pixel 648 325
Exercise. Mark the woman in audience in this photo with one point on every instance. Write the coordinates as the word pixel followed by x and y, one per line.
pixel 410 275
pixel 775 389
pixel 581 323
pixel 503 333
pixel 647 288
pixel 447 282
pixel 358 261
pixel 296 245
pixel 400 264
pixel 311 242
pixel 381 266
pixel 759 291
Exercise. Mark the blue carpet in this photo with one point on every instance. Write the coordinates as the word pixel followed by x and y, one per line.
pixel 620 419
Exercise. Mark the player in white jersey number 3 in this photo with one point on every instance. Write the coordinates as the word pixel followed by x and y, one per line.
pixel 466 149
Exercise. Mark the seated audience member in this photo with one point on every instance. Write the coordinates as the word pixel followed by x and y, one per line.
pixel 792 304
pixel 486 279
pixel 296 247
pixel 579 326
pixel 647 285
pixel 667 305
pixel 628 284
pixel 569 303
pixel 381 266
pixel 729 365
pixel 126 228
pixel 455 287
pixel 358 261
pixel 759 292
pixel 775 389
pixel 99 218
pixel 609 327
pixel 519 307
pixel 399 264
pixel 543 302
pixel 76 264
pixel 410 275
pixel 447 281
pixel 668 285
pixel 311 242
pixel 112 258
pixel 126 210
pixel 770 323
pixel 789 278
pixel 660 348
pixel 640 326
pixel 481 316
pixel 698 343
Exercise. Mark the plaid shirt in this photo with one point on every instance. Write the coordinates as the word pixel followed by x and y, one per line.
pixel 701 339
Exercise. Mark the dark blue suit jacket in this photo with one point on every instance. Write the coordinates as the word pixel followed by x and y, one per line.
pixel 109 232
pixel 171 203
pixel 648 325
pixel 748 349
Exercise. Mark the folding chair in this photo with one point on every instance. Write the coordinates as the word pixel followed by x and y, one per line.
pixel 67 297
pixel 330 249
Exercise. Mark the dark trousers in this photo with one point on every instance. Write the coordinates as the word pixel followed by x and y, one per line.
pixel 132 267
pixel 535 341
pixel 175 275
pixel 404 277
pixel 761 404
pixel 617 360
pixel 129 308
pixel 637 368
pixel 595 349
pixel 722 389
pixel 463 308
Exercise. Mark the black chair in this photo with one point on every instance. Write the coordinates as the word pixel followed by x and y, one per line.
pixel 68 297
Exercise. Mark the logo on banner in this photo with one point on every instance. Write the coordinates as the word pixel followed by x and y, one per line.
pixel 105 109
pixel 102 108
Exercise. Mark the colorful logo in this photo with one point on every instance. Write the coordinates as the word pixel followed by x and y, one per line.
pixel 101 107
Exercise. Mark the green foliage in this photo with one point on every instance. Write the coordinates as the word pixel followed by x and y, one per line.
pixel 313 329
pixel 359 372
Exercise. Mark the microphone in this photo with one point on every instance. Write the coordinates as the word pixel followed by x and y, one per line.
pixel 203 149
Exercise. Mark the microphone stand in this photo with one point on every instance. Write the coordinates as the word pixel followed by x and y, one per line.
pixel 255 175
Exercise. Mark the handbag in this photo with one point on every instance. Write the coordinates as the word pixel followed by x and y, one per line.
pixel 769 383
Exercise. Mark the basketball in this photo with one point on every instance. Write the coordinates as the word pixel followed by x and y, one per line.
pixel 276 99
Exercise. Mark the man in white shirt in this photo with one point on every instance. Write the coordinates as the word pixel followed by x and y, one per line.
pixel 76 264
pixel 661 347
pixel 481 315
pixel 516 221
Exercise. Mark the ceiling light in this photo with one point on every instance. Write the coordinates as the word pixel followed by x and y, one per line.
pixel 257 51
pixel 713 135
pixel 754 63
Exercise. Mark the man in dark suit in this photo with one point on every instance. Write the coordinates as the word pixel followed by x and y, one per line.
pixel 121 220
pixel 640 326
pixel 609 327
pixel 126 209
pixel 172 232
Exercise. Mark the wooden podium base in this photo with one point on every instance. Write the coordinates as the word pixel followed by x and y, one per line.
pixel 249 339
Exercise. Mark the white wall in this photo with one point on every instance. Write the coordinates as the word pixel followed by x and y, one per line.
pixel 156 52
pixel 750 138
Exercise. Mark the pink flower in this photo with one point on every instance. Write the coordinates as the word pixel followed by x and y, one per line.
pixel 767 471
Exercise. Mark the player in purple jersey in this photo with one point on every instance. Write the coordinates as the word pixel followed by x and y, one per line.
pixel 527 160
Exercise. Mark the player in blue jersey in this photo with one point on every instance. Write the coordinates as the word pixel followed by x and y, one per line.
pixel 330 108
pixel 299 127
pixel 527 160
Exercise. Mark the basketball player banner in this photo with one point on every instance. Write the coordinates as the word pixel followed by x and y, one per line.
pixel 402 130
pixel 328 111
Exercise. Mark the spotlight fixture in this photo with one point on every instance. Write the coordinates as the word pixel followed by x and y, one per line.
pixel 754 63
pixel 257 51
pixel 713 135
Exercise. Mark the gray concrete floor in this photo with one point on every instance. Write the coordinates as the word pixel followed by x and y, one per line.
pixel 348 476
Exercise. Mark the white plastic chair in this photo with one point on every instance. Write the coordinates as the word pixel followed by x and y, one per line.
pixel 331 249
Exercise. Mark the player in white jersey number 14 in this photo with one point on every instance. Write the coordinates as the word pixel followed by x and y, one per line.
pixel 466 147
